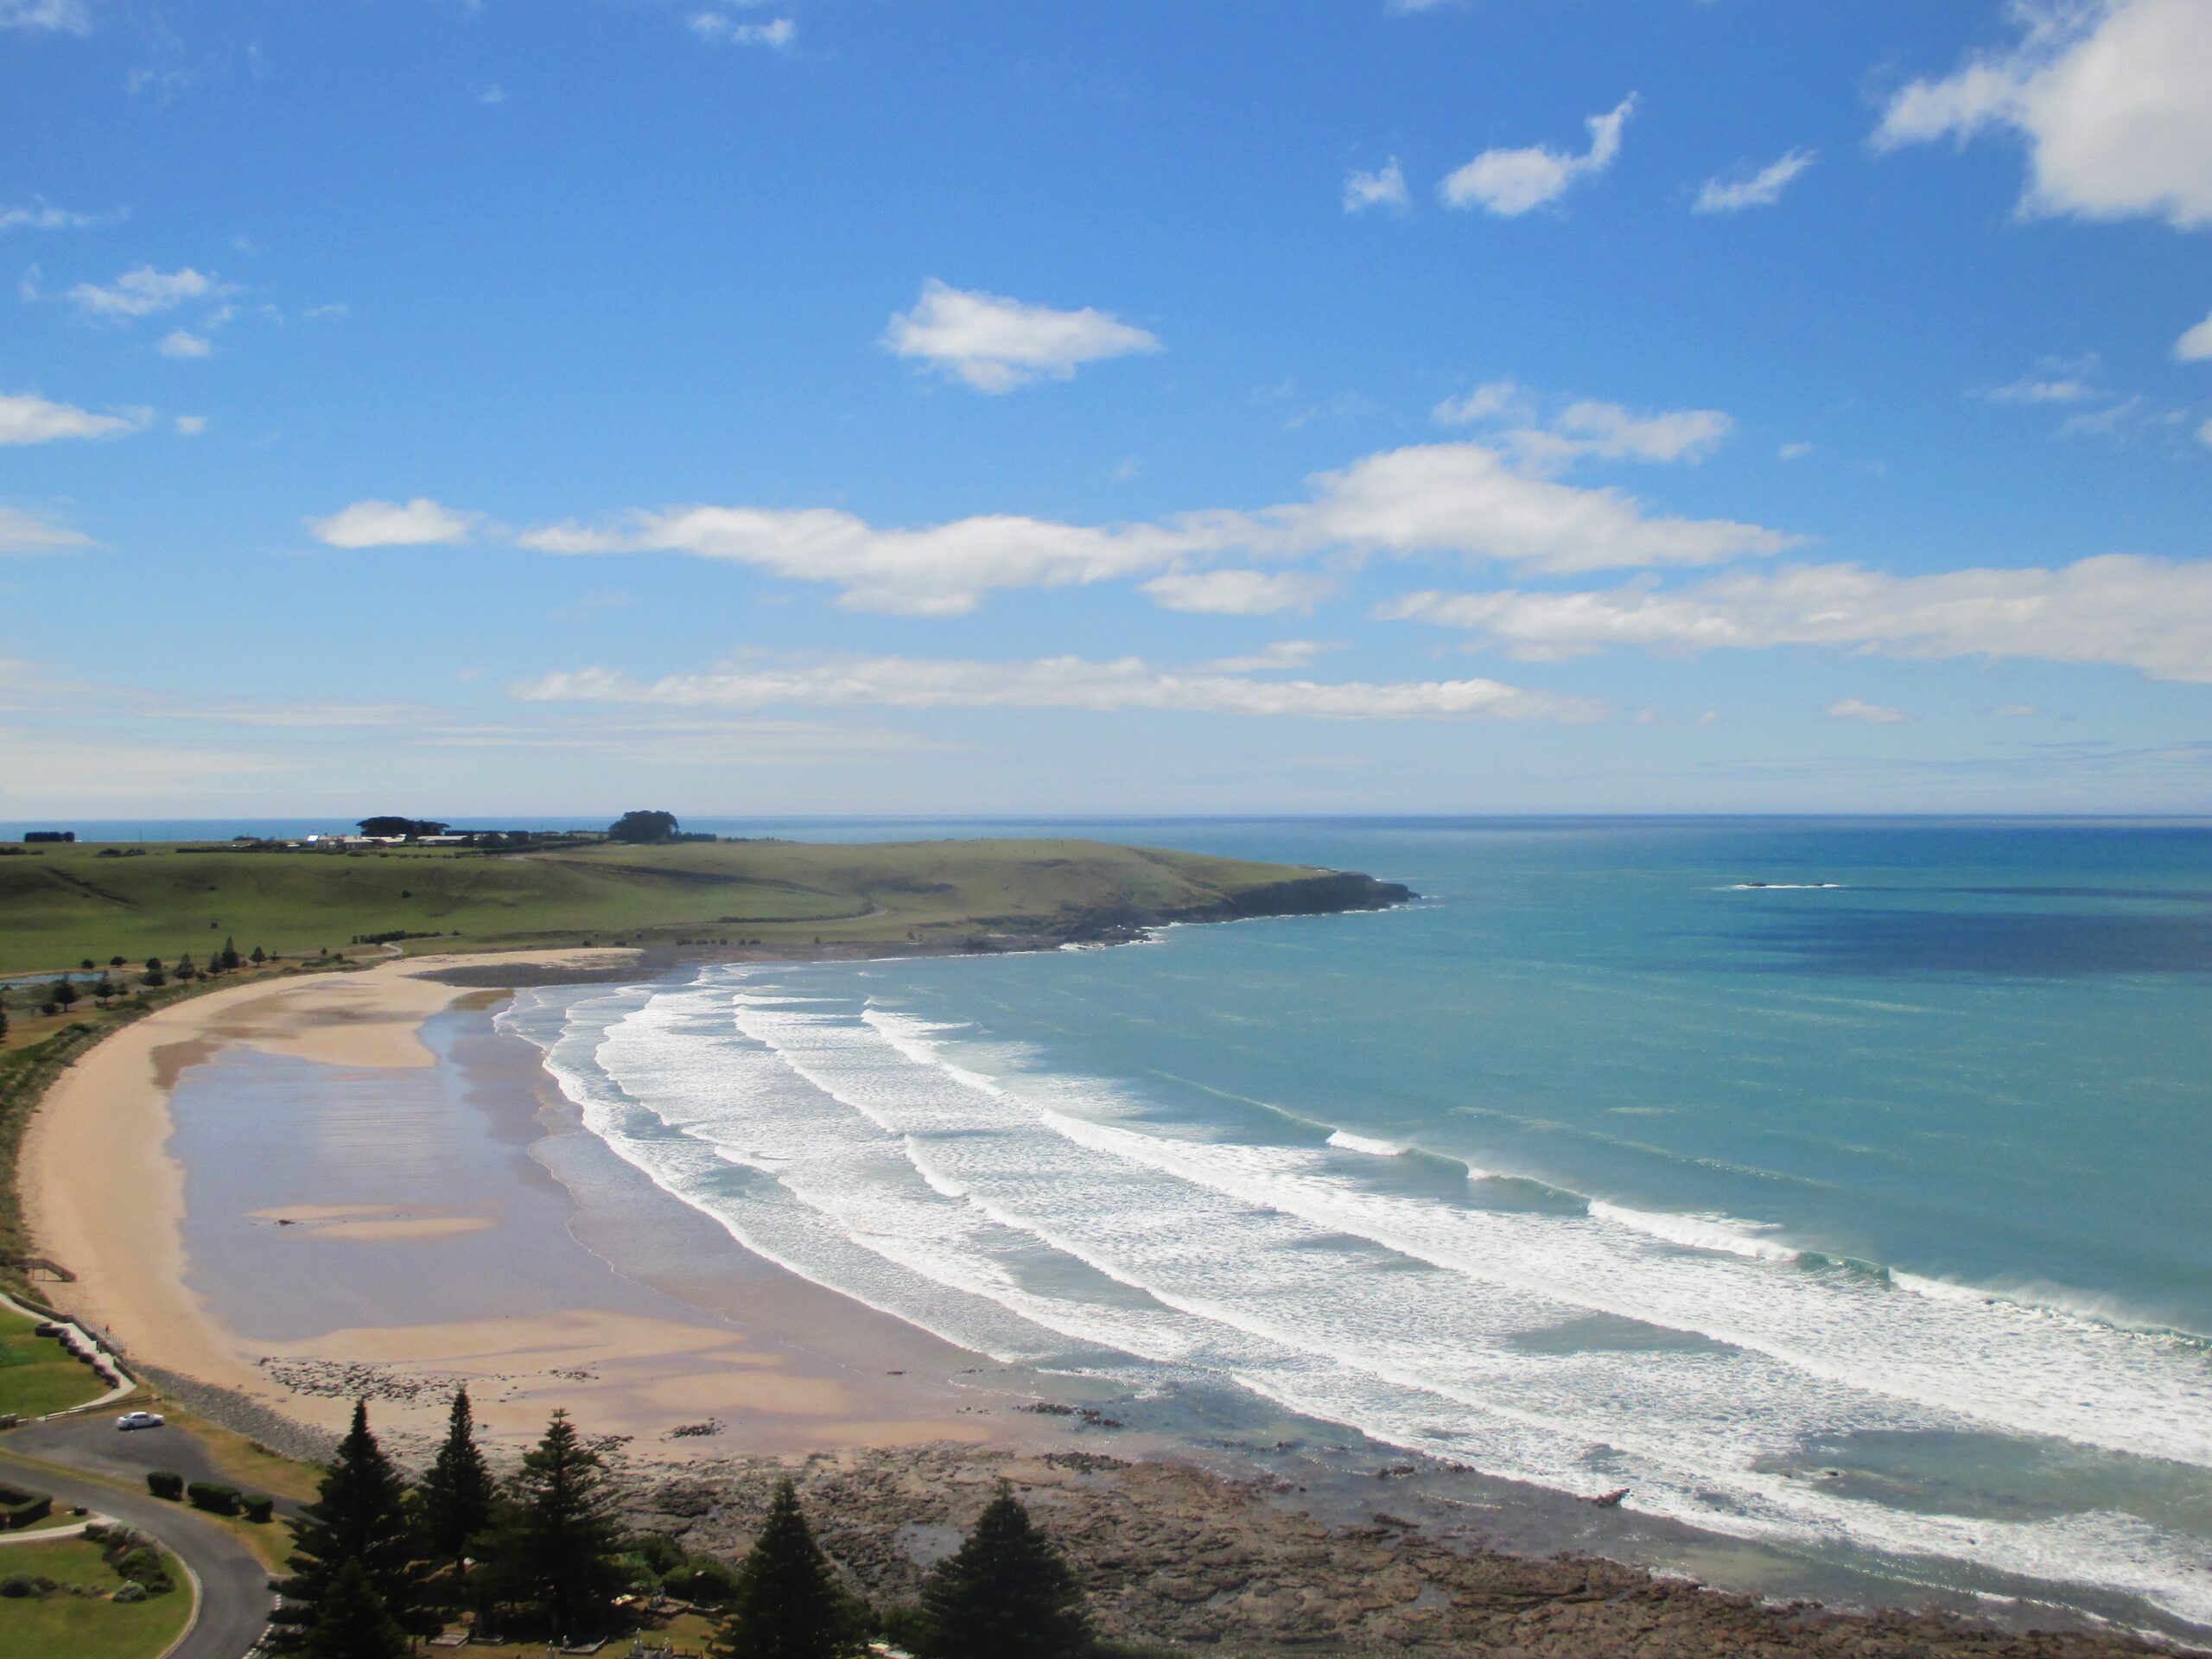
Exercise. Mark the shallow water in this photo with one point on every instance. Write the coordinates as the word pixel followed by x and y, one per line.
pixel 1856 1213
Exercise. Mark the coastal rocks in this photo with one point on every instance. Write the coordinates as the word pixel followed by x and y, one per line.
pixel 1169 1553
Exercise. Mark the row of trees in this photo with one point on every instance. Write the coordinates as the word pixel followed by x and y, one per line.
pixel 378 1562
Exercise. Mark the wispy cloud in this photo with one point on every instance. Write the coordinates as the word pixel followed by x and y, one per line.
pixel 995 344
pixel 2122 610
pixel 1068 683
pixel 42 216
pixel 1871 714
pixel 1510 182
pixel 780 34
pixel 26 532
pixel 27 419
pixel 1385 186
pixel 47 16
pixel 142 292
pixel 1732 192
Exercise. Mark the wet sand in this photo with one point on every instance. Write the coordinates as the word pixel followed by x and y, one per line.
pixel 304 1192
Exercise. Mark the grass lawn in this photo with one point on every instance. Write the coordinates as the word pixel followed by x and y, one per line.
pixel 65 903
pixel 86 1627
pixel 36 1375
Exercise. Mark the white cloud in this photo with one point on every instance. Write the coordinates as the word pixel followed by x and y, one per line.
pixel 1491 399
pixel 2195 345
pixel 2110 97
pixel 181 342
pixel 714 26
pixel 142 292
pixel 2032 389
pixel 26 419
pixel 421 522
pixel 1732 194
pixel 995 344
pixel 24 532
pixel 1871 713
pixel 2204 433
pixel 942 570
pixel 1585 428
pixel 2118 609
pixel 1239 593
pixel 1792 452
pixel 1281 656
pixel 191 426
pixel 44 217
pixel 1465 498
pixel 60 17
pixel 1512 181
pixel 1384 188
pixel 1123 685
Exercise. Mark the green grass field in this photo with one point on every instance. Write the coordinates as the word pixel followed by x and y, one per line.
pixel 60 905
pixel 86 1627
pixel 35 1375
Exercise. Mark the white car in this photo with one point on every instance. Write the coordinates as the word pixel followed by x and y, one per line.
pixel 140 1419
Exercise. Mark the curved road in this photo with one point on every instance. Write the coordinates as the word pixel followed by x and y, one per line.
pixel 234 1599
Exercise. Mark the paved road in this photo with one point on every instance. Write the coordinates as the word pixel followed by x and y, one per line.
pixel 93 1443
pixel 234 1596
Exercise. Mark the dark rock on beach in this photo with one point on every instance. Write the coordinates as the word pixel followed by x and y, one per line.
pixel 1169 1553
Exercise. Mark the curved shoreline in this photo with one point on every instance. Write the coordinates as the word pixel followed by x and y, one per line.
pixel 106 1196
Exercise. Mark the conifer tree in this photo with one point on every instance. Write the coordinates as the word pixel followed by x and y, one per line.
pixel 351 1621
pixel 788 1603
pixel 260 955
pixel 359 1518
pixel 558 1545
pixel 229 960
pixel 1004 1594
pixel 456 1497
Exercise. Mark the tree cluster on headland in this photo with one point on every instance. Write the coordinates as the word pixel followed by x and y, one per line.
pixel 380 1562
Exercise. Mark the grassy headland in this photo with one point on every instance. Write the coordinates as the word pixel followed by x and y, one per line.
pixel 61 904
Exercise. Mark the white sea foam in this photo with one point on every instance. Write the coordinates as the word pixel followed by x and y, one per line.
pixel 1346 1140
pixel 1723 1233
pixel 1039 1217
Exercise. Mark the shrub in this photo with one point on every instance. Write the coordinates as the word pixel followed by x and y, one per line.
pixel 161 1484
pixel 257 1510
pixel 16 1586
pixel 143 1566
pixel 214 1499
pixel 20 1507
pixel 131 1591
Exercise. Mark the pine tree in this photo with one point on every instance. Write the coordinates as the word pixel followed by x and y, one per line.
pixel 260 955
pixel 1004 1594
pixel 351 1621
pixel 788 1603
pixel 456 1497
pixel 229 960
pixel 559 1541
pixel 359 1518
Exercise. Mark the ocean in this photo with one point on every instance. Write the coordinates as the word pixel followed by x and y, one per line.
pixel 1832 1186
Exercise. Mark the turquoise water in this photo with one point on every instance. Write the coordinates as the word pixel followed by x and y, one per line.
pixel 1860 1211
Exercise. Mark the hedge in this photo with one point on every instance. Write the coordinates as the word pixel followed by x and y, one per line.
pixel 214 1499
pixel 257 1509
pixel 19 1507
pixel 161 1484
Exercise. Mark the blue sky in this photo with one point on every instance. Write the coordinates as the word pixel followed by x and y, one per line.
pixel 852 406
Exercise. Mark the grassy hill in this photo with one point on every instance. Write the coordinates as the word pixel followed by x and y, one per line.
pixel 62 904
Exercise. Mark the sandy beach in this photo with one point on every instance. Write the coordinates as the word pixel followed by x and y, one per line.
pixel 107 1195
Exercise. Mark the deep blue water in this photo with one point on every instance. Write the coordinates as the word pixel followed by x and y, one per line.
pixel 1860 1211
